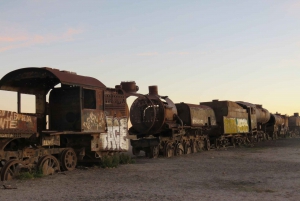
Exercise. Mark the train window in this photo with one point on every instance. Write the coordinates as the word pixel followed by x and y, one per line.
pixel 89 99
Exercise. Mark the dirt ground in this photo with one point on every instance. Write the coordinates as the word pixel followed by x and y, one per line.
pixel 268 171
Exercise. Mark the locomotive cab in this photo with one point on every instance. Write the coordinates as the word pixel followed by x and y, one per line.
pixel 70 107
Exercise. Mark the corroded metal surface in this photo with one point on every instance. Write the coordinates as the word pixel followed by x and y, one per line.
pixel 262 114
pixel 28 80
pixel 13 124
pixel 294 120
pixel 196 115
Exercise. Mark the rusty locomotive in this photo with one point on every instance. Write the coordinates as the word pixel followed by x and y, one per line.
pixel 76 118
pixel 161 127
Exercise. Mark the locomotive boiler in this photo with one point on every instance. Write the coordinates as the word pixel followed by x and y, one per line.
pixel 82 120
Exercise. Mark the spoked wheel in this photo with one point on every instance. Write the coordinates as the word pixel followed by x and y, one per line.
pixel 48 165
pixel 169 150
pixel 193 144
pixel 187 148
pixel 135 151
pixel 154 152
pixel 179 149
pixel 217 144
pixel 199 145
pixel 11 169
pixel 68 159
pixel 207 144
pixel 233 141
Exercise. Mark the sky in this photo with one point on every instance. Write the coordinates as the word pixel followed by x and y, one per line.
pixel 194 51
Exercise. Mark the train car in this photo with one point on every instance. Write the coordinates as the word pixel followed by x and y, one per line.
pixel 76 118
pixel 258 117
pixel 161 127
pixel 278 126
pixel 233 123
pixel 294 124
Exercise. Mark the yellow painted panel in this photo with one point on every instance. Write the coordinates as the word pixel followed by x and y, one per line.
pixel 230 125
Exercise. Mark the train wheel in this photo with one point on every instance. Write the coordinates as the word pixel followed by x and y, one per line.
pixel 187 148
pixel 169 150
pixel 233 142
pixel 68 159
pixel 179 149
pixel 48 165
pixel 154 152
pixel 207 144
pixel 199 145
pixel 11 169
pixel 217 144
pixel 193 146
pixel 135 151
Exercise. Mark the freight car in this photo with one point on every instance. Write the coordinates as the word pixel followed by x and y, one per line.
pixel 82 120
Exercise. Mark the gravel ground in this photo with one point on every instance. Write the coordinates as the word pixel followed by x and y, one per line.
pixel 268 171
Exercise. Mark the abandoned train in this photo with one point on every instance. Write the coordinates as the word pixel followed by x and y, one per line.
pixel 80 120
pixel 161 127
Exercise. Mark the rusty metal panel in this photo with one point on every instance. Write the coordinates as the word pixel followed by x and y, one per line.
pixel 196 115
pixel 253 121
pixel 115 139
pixel 201 114
pixel 71 78
pixel 14 123
pixel 262 114
pixel 93 120
pixel 51 140
pixel 34 80
pixel 115 103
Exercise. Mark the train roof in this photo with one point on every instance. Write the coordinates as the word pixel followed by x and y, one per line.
pixel 33 79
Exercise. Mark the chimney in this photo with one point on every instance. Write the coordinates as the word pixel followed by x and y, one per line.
pixel 153 90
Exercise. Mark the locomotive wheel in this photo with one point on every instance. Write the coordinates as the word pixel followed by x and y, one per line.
pixel 207 144
pixel 217 144
pixel 193 146
pixel 233 142
pixel 179 149
pixel 168 150
pixel 199 145
pixel 11 169
pixel 48 165
pixel 154 152
pixel 187 148
pixel 135 151
pixel 68 159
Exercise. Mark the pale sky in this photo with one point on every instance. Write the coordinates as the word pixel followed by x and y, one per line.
pixel 195 51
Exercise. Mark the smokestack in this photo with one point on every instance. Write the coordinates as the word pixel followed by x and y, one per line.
pixel 153 90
